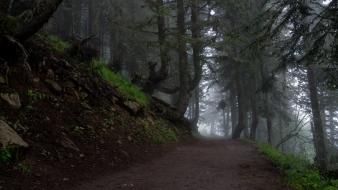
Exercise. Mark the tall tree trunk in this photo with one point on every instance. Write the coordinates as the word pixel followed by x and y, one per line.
pixel 196 111
pixel 196 44
pixel 162 41
pixel 241 107
pixel 268 118
pixel 233 108
pixel 318 130
pixel 94 22
pixel 254 120
pixel 228 122
pixel 269 128
pixel 156 77
pixel 184 92
pixel 281 133
pixel 224 122
pixel 254 111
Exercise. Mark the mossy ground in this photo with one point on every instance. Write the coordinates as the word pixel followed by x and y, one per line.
pixel 129 90
pixel 298 172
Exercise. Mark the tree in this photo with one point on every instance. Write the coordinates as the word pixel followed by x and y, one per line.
pixel 29 21
pixel 318 130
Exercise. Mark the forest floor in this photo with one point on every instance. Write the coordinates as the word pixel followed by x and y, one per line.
pixel 200 165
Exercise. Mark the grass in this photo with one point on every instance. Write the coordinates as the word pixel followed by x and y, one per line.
pixel 126 88
pixel 297 172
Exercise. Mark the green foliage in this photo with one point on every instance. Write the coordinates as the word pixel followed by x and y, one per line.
pixel 298 172
pixel 25 168
pixel 126 88
pixel 56 43
pixel 35 95
pixel 159 133
pixel 5 156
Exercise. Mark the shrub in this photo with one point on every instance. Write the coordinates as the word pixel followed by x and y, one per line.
pixel 126 88
pixel 298 172
pixel 5 156
pixel 56 43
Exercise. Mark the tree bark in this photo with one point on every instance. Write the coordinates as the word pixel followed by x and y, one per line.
pixel 254 121
pixel 254 111
pixel 196 44
pixel 318 130
pixel 268 118
pixel 156 77
pixel 26 30
pixel 241 107
pixel 184 92
pixel 233 108
pixel 228 127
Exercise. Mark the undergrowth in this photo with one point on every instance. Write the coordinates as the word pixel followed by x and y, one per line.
pixel 10 154
pixel 126 88
pixel 56 43
pixel 159 133
pixel 5 156
pixel 298 172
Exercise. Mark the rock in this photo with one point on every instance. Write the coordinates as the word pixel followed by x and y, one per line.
pixel 125 154
pixel 8 137
pixel 50 74
pixel 36 81
pixel 133 106
pixel 83 95
pixel 2 80
pixel 12 99
pixel 54 85
pixel 68 143
pixel 65 179
pixel 86 106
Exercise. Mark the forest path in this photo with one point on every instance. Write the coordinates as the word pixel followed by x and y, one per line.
pixel 203 165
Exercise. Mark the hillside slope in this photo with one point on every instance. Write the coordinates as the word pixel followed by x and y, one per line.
pixel 76 121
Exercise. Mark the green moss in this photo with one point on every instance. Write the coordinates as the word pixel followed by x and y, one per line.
pixel 159 133
pixel 56 43
pixel 298 172
pixel 126 88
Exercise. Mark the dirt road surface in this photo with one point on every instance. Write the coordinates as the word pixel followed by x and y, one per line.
pixel 203 165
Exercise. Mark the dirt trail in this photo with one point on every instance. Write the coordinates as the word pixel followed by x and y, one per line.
pixel 204 165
